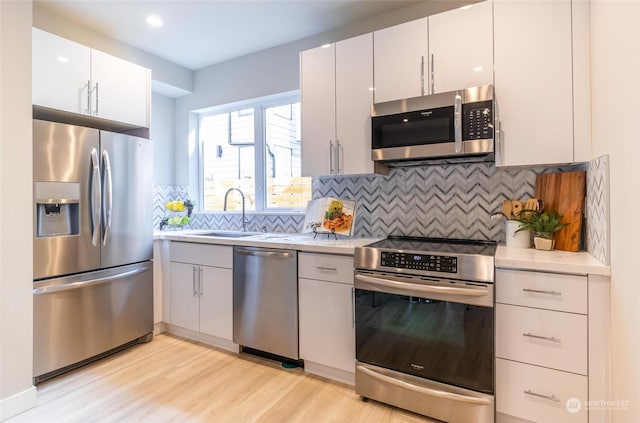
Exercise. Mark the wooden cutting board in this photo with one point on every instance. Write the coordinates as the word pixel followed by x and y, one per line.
pixel 564 192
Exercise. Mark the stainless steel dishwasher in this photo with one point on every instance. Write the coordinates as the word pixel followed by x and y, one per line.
pixel 265 300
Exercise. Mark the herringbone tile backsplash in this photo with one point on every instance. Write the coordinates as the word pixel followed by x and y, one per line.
pixel 452 201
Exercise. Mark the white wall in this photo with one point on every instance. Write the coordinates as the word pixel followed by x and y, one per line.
pixel 167 76
pixel 271 71
pixel 16 274
pixel 163 131
pixel 615 73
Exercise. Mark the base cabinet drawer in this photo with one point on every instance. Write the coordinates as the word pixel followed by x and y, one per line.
pixel 545 338
pixel 326 267
pixel 551 291
pixel 539 394
pixel 204 254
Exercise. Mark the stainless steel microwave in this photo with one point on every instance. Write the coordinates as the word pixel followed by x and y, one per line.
pixel 454 124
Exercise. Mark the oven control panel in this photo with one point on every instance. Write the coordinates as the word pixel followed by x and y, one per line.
pixel 427 262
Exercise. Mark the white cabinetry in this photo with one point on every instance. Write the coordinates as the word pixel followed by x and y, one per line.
pixel 444 52
pixel 327 333
pixel 120 90
pixel 336 82
pixel 400 61
pixel 74 78
pixel 201 293
pixel 461 48
pixel 535 82
pixel 546 360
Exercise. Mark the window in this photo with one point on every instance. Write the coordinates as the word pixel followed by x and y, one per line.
pixel 256 148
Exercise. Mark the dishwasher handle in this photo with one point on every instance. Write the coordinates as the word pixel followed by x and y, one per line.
pixel 264 253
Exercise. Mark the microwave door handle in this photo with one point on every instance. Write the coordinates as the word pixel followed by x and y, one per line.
pixel 457 122
pixel 418 289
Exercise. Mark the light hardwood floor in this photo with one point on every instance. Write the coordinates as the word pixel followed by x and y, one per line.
pixel 175 380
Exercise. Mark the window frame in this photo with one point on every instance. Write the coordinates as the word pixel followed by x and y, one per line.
pixel 259 106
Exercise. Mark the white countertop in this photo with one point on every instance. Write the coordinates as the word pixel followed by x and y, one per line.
pixel 293 241
pixel 550 261
pixel 514 258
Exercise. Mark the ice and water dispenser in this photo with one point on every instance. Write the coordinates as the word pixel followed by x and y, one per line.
pixel 57 209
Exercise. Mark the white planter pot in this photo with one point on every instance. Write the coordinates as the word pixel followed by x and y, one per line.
pixel 515 239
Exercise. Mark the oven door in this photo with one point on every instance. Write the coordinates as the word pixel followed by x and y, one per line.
pixel 435 329
pixel 417 335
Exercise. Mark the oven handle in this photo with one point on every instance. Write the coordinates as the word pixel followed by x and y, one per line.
pixel 422 390
pixel 419 289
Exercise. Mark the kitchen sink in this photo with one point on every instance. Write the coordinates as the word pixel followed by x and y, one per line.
pixel 227 234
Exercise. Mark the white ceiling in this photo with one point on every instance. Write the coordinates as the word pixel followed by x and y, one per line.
pixel 196 34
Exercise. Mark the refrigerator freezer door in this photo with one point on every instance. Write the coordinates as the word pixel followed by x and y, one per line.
pixel 63 167
pixel 79 317
pixel 127 199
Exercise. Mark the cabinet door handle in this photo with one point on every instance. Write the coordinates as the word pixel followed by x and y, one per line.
pixel 537 291
pixel 338 170
pixel 548 397
pixel 544 338
pixel 433 74
pixel 88 110
pixel 193 280
pixel 328 269
pixel 97 96
pixel 331 157
pixel 200 285
pixel 422 75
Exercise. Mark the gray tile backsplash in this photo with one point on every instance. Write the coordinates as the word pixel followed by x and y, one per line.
pixel 453 201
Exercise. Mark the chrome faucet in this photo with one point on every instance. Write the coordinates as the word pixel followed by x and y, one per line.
pixel 244 220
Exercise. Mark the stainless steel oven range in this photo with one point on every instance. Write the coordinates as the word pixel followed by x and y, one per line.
pixel 424 322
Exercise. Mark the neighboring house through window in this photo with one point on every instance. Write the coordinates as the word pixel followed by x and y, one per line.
pixel 254 147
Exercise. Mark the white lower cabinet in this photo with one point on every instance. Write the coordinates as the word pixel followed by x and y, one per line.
pixel 326 319
pixel 550 344
pixel 201 292
pixel 539 394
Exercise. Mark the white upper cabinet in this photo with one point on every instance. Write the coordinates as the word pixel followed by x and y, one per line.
pixel 400 61
pixel 533 82
pixel 61 73
pixel 336 83
pixel 74 78
pixel 318 91
pixel 461 48
pixel 354 96
pixel 121 89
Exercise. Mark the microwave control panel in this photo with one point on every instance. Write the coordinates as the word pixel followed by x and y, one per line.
pixel 426 262
pixel 477 120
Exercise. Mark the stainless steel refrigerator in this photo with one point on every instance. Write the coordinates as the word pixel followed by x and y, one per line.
pixel 93 243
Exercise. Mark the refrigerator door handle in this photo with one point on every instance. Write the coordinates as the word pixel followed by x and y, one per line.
pixel 107 205
pixel 96 197
pixel 82 284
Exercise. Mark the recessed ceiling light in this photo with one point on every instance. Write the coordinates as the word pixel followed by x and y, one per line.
pixel 154 21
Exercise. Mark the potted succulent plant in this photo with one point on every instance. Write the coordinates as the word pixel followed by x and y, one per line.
pixel 543 225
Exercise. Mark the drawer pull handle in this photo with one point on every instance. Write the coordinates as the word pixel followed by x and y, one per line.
pixel 329 269
pixel 546 338
pixel 537 291
pixel 548 397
